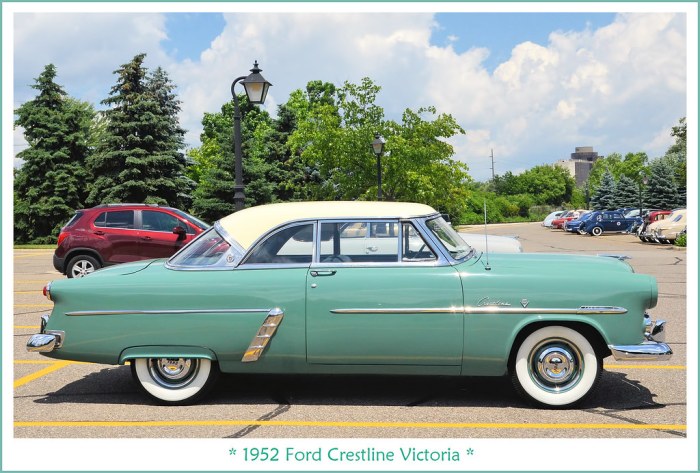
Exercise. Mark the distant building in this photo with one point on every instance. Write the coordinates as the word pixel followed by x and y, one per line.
pixel 580 164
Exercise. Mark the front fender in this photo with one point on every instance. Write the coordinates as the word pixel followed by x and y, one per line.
pixel 165 351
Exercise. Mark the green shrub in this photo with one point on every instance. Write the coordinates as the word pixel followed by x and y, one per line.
pixel 681 240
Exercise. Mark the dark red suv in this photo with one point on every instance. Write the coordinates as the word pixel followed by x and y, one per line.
pixel 118 233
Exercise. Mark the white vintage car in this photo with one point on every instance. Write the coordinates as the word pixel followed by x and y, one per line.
pixel 496 243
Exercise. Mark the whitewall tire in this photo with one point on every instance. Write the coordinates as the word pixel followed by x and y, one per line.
pixel 176 381
pixel 556 367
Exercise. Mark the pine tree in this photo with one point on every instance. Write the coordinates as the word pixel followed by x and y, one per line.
pixel 604 196
pixel 661 191
pixel 140 159
pixel 51 183
pixel 626 193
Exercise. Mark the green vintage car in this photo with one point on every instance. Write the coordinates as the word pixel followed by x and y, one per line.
pixel 354 287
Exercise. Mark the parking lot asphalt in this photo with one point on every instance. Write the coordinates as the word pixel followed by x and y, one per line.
pixel 57 399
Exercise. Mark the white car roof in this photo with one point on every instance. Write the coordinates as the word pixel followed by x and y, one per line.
pixel 247 225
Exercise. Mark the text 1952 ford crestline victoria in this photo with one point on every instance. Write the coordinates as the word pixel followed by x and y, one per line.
pixel 354 287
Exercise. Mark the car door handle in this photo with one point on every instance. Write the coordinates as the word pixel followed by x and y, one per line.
pixel 372 248
pixel 99 232
pixel 147 238
pixel 330 272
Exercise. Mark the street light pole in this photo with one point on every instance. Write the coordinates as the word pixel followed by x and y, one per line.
pixel 378 148
pixel 256 88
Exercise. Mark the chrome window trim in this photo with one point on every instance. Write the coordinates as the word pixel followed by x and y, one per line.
pixel 444 254
pixel 236 250
pixel 477 310
pixel 438 261
pixel 84 313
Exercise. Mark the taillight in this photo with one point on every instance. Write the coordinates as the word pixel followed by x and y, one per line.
pixel 47 291
pixel 61 236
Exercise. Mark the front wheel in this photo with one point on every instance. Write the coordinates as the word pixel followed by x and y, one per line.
pixel 175 381
pixel 596 231
pixel 556 367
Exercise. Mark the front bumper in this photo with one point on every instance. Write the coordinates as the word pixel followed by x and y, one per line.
pixel 47 340
pixel 652 349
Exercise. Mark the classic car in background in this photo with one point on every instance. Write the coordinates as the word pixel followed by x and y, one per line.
pixel 576 225
pixel 649 218
pixel 559 223
pixel 667 230
pixel 607 221
pixel 304 288
pixel 547 222
pixel 118 233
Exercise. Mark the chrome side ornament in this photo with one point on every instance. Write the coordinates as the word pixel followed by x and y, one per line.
pixel 265 333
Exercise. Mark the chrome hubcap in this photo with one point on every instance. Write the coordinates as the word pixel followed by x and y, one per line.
pixel 555 365
pixel 173 372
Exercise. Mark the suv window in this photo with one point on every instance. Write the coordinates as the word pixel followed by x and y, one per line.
pixel 155 221
pixel 116 219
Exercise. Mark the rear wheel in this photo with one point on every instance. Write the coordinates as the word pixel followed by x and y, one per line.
pixel 596 231
pixel 82 265
pixel 556 367
pixel 175 381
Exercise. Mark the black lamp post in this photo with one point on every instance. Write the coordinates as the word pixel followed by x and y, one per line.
pixel 643 179
pixel 256 88
pixel 378 148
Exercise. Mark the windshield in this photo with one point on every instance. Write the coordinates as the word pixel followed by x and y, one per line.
pixel 449 238
pixel 200 223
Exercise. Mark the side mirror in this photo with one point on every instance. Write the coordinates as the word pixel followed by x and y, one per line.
pixel 180 232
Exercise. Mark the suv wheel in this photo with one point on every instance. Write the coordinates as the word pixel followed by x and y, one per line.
pixel 81 265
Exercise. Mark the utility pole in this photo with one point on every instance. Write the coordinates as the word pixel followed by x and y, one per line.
pixel 493 171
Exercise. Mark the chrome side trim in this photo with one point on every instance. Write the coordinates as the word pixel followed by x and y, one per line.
pixel 583 310
pixel 407 310
pixel 81 313
pixel 265 333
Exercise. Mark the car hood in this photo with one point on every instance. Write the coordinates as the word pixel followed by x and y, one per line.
pixel 553 264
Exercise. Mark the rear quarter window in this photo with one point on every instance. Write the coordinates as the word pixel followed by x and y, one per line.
pixel 73 219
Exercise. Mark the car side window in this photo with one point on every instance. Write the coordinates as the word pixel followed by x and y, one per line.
pixel 115 219
pixel 154 221
pixel 378 245
pixel 414 247
pixel 290 245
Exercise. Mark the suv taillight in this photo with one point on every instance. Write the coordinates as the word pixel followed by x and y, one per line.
pixel 61 236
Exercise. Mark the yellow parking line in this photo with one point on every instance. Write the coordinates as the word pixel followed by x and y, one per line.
pixel 292 423
pixel 30 281
pixel 36 291
pixel 645 367
pixel 40 373
pixel 26 326
pixel 33 305
pixel 31 256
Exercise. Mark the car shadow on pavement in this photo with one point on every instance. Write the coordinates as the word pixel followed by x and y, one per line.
pixel 114 385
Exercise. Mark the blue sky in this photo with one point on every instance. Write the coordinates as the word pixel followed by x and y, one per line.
pixel 530 85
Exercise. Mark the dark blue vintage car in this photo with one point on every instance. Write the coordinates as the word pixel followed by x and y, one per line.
pixel 608 221
pixel 575 226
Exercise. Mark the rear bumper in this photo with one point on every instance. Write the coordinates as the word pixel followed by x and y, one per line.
pixel 47 340
pixel 652 349
pixel 59 263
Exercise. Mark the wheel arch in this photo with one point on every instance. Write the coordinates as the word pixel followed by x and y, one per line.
pixel 166 351
pixel 592 334
pixel 83 251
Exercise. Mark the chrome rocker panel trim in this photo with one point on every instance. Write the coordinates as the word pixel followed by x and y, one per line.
pixel 583 310
pixel 82 313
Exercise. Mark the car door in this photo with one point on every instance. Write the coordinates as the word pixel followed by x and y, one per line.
pixel 391 306
pixel 157 239
pixel 117 239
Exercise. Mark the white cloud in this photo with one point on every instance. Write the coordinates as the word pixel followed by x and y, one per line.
pixel 613 88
